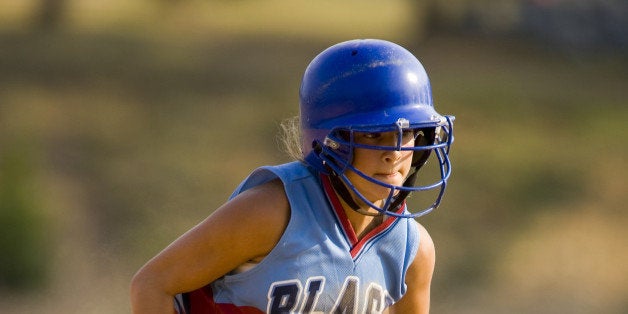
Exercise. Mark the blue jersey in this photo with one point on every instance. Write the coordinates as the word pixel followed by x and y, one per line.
pixel 319 265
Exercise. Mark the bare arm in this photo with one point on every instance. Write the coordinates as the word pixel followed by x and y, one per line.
pixel 418 279
pixel 246 227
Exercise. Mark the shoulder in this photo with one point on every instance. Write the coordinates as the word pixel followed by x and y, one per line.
pixel 418 277
pixel 260 214
pixel 286 172
pixel 423 263
pixel 422 237
pixel 245 228
pixel 426 244
pixel 255 211
pixel 420 272
pixel 270 191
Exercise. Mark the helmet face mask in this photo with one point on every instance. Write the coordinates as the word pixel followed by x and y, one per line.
pixel 337 151
pixel 372 86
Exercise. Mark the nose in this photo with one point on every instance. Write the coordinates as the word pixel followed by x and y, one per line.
pixel 391 156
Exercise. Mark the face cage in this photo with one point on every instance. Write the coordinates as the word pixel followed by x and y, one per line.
pixel 340 164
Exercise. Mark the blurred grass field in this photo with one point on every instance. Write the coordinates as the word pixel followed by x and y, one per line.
pixel 123 130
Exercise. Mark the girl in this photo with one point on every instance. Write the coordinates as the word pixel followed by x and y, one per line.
pixel 330 232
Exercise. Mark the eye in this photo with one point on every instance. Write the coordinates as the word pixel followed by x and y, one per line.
pixel 372 135
pixel 408 134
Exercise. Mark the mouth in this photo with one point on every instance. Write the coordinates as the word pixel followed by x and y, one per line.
pixel 388 176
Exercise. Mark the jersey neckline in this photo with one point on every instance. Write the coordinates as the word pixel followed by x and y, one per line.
pixel 356 245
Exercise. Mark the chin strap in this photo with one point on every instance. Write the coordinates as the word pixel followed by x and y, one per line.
pixel 402 195
pixel 344 193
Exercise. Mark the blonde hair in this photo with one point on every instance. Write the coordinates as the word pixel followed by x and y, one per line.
pixel 290 137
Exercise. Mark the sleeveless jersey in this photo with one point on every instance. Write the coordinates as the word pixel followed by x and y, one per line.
pixel 318 265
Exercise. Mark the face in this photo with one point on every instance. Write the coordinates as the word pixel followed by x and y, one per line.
pixel 388 166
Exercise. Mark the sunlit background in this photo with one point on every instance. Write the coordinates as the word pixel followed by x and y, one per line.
pixel 124 123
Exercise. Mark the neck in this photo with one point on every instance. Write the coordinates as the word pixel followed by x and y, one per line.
pixel 362 224
pixel 362 217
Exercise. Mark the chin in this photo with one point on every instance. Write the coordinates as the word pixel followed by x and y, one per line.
pixel 381 194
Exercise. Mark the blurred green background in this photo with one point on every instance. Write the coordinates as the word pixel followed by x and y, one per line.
pixel 123 124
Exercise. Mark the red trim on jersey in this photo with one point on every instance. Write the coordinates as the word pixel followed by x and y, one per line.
pixel 337 206
pixel 356 244
pixel 379 229
pixel 201 301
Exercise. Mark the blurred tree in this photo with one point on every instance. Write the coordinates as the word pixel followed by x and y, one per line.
pixel 49 15
pixel 577 25
pixel 572 25
pixel 23 262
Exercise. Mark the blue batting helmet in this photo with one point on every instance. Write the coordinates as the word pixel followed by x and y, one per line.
pixel 371 85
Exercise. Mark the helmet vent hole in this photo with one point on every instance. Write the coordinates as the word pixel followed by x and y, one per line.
pixel 354 52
